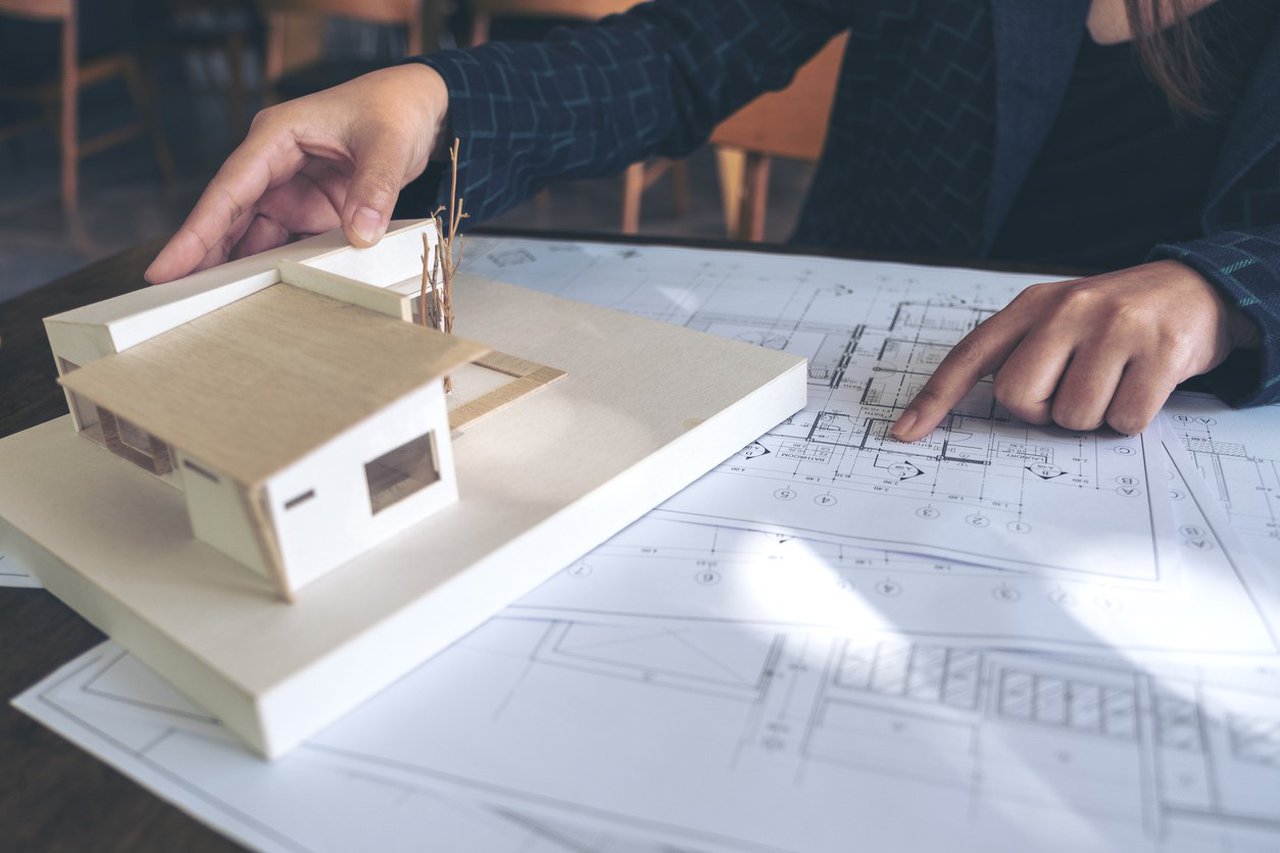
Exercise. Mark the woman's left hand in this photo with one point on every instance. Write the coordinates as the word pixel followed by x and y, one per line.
pixel 1102 350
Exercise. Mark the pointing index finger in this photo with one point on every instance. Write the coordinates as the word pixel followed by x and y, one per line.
pixel 976 355
pixel 202 240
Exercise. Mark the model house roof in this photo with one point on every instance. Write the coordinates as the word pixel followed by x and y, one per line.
pixel 258 384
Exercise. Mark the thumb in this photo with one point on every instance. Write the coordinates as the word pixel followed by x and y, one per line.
pixel 379 174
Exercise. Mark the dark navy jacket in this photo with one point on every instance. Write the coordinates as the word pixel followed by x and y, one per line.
pixel 941 109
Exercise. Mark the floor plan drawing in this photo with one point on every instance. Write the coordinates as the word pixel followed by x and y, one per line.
pixel 112 706
pixel 741 739
pixel 1238 453
pixel 998 638
pixel 12 573
pixel 980 489
pixel 660 571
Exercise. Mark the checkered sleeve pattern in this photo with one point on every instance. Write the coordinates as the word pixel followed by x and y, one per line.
pixel 1245 266
pixel 591 101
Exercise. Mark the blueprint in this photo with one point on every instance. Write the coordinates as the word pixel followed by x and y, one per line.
pixel 994 639
pixel 682 573
pixel 1237 451
pixel 721 738
pixel 980 488
pixel 115 708
pixel 12 572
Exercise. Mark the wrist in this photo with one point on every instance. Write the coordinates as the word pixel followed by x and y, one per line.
pixel 431 89
pixel 422 87
pixel 1244 332
pixel 1237 328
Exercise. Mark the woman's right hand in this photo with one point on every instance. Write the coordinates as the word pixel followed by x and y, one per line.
pixel 338 158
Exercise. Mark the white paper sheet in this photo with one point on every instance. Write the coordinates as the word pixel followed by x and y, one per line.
pixel 723 739
pixel 12 572
pixel 979 489
pixel 115 708
pixel 1237 452
pixel 678 573
pixel 758 680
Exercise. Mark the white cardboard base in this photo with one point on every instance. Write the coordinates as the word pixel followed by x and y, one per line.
pixel 645 409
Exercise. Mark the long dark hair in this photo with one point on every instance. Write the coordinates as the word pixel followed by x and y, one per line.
pixel 1173 54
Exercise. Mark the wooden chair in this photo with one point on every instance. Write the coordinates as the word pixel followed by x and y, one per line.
pixel 638 176
pixel 791 123
pixel 295 64
pixel 218 33
pixel 484 11
pixel 59 98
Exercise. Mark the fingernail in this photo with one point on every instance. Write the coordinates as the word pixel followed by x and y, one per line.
pixel 905 423
pixel 367 223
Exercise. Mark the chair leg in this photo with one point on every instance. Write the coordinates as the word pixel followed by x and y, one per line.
pixel 144 101
pixel 479 27
pixel 68 129
pixel 755 200
pixel 731 165
pixel 680 187
pixel 632 192
pixel 542 207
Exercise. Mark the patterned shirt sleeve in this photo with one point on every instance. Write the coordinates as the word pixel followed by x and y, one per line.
pixel 590 101
pixel 1245 266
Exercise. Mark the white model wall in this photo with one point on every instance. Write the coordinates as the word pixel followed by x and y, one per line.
pixel 218 514
pixel 320 533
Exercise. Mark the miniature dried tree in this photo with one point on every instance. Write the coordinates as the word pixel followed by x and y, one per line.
pixel 435 305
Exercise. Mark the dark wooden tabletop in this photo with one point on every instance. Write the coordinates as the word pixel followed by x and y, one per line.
pixel 53 796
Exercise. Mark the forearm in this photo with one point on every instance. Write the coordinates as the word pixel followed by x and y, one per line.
pixel 591 101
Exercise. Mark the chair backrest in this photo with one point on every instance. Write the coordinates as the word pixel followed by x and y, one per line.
pixel 482 11
pixel 39 10
pixel 584 9
pixel 295 28
pixel 791 123
pixel 373 11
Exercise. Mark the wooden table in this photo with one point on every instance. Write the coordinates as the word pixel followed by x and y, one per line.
pixel 53 796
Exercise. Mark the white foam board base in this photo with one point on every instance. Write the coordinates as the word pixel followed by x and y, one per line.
pixel 645 409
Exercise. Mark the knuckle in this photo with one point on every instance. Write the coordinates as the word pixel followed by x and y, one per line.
pixel 234 207
pixel 929 396
pixel 1012 395
pixel 1038 292
pixel 1084 298
pixel 966 354
pixel 379 179
pixel 264 118
pixel 1076 421
pixel 1140 315
pixel 1005 392
pixel 1023 408
pixel 1076 411
pixel 1128 423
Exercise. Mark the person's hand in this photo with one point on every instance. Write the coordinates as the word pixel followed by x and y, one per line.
pixel 1103 350
pixel 338 158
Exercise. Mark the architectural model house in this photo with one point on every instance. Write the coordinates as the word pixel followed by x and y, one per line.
pixel 302 430
pixel 296 417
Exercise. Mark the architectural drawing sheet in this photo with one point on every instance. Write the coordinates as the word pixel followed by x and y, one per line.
pixel 1237 452
pixel 980 488
pixel 798 652
pixel 115 708
pixel 722 738
pixel 12 573
pixel 682 573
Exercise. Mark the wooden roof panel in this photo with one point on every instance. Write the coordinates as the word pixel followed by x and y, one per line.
pixel 258 384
